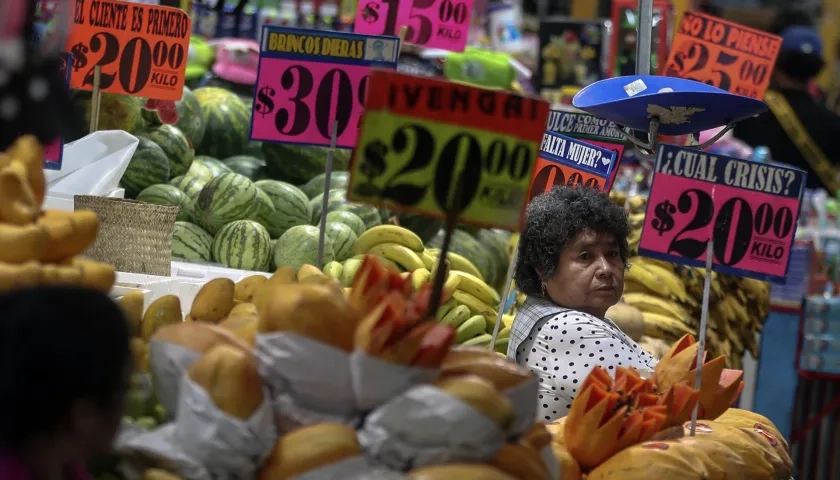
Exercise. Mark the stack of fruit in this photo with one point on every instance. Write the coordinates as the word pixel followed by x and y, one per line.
pixel 634 428
pixel 670 296
pixel 42 247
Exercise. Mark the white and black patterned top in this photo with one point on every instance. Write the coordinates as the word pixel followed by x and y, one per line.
pixel 562 346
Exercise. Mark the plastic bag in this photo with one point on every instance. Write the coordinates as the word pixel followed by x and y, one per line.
pixel 524 399
pixel 376 381
pixel 309 382
pixel 425 426
pixel 357 468
pixel 168 363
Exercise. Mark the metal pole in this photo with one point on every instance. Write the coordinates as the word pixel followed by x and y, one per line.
pixel 644 37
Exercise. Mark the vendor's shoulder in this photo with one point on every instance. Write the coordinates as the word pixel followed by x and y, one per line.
pixel 569 317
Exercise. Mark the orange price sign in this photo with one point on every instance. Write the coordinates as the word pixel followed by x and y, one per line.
pixel 723 54
pixel 565 161
pixel 141 49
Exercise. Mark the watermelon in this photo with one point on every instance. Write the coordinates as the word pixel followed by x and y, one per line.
pixel 175 145
pixel 116 112
pixel 265 209
pixel 338 180
pixel 291 207
pixel 299 246
pixel 202 170
pixel 342 238
pixel 271 245
pixel 495 241
pixel 348 218
pixel 253 149
pixel 468 247
pixel 335 198
pixel 190 117
pixel 228 123
pixel 191 242
pixel 251 167
pixel 226 198
pixel 164 194
pixel 214 166
pixel 148 166
pixel 243 244
pixel 425 227
pixel 297 165
pixel 368 213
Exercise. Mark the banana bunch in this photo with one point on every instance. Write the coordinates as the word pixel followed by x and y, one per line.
pixel 474 329
pixel 656 277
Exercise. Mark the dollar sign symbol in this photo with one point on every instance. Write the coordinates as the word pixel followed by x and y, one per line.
pixel 664 220
pixel 79 59
pixel 265 104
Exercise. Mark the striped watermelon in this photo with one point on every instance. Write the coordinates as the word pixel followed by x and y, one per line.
pixel 290 204
pixel 164 194
pixel 338 180
pixel 348 218
pixel 425 227
pixel 211 165
pixel 175 145
pixel 191 242
pixel 297 165
pixel 243 244
pixel 335 198
pixel 190 117
pixel 224 199
pixel 272 244
pixel 265 209
pixel 368 213
pixel 251 167
pixel 148 166
pixel 467 246
pixel 116 112
pixel 342 238
pixel 299 246
pixel 253 149
pixel 228 123
pixel 202 170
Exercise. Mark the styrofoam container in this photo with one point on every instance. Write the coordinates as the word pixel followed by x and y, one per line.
pixel 192 276
pixel 157 286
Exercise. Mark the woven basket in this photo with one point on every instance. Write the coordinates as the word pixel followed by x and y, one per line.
pixel 135 237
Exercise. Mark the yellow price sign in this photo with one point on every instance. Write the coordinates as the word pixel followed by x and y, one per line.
pixel 420 137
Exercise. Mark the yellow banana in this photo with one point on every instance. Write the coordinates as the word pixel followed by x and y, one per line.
pixel 456 316
pixel 451 283
pixel 660 326
pixel 654 304
pixel 387 234
pixel 399 254
pixel 333 270
pixel 507 320
pixel 429 260
pixel 476 287
pixel 458 262
pixel 419 277
pixel 348 271
pixel 389 264
pixel 504 333
pixel 476 306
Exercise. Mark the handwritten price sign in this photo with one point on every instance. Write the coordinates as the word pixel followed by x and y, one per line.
pixel 591 129
pixel 420 137
pixel 726 55
pixel 54 151
pixel 142 49
pixel 309 79
pixel 566 161
pixel 749 209
pixel 443 24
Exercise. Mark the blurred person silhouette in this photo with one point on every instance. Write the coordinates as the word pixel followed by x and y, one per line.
pixel 798 130
pixel 66 371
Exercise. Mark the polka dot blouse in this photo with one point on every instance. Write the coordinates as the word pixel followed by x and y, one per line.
pixel 564 348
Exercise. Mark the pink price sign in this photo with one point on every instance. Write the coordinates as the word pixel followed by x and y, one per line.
pixel 54 151
pixel 442 24
pixel 750 210
pixel 309 80
pixel 618 148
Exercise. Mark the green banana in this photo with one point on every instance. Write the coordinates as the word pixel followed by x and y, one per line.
pixel 333 270
pixel 501 345
pixel 445 307
pixel 348 271
pixel 473 327
pixel 387 234
pixel 482 340
pixel 456 317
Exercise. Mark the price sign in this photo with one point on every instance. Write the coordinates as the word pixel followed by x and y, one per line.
pixel 749 209
pixel 726 55
pixel 566 161
pixel 443 24
pixel 420 137
pixel 53 151
pixel 142 49
pixel 593 130
pixel 308 79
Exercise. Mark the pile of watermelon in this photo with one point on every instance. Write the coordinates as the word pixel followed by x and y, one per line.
pixel 255 206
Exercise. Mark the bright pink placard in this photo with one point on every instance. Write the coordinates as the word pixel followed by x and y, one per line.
pixel 753 228
pixel 317 93
pixel 442 24
pixel 619 152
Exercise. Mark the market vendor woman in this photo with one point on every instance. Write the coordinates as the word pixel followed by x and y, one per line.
pixel 572 256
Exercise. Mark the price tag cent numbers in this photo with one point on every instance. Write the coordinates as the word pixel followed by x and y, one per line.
pixel 574 163
pixel 442 24
pixel 141 49
pixel 723 54
pixel 749 209
pixel 308 79
pixel 424 139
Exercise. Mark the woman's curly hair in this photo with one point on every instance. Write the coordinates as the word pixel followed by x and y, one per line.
pixel 557 217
